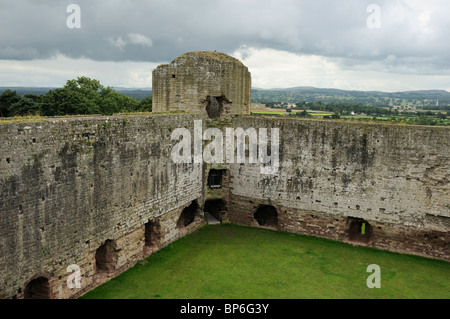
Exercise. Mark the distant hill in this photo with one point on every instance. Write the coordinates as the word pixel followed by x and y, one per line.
pixel 135 93
pixel 27 90
pixel 374 98
pixel 420 98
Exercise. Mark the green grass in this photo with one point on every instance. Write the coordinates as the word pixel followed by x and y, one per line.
pixel 321 114
pixel 352 117
pixel 229 262
pixel 282 112
pixel 267 113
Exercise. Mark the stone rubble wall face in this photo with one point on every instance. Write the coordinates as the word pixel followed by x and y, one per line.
pixel 185 84
pixel 68 185
pixel 394 177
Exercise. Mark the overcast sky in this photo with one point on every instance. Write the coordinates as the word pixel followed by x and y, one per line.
pixel 396 45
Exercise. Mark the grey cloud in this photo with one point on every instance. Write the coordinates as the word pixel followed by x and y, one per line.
pixel 155 31
pixel 20 54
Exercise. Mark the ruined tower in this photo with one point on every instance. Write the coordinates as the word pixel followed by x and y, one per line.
pixel 103 192
pixel 210 83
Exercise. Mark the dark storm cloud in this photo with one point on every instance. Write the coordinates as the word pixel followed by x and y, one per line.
pixel 411 31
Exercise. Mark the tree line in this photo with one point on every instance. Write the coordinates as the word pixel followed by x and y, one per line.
pixel 420 99
pixel 78 96
pixel 374 113
pixel 347 108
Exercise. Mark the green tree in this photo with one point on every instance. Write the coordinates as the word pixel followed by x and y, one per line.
pixel 86 96
pixel 442 116
pixel 335 116
pixel 85 85
pixel 7 99
pixel 114 102
pixel 25 106
pixel 34 97
pixel 304 113
pixel 145 105
pixel 67 102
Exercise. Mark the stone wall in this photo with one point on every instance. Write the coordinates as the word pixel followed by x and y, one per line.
pixel 198 80
pixel 70 186
pixel 394 177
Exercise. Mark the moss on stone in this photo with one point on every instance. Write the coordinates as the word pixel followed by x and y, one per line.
pixel 218 56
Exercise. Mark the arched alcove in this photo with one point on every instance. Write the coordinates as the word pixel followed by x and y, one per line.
pixel 215 106
pixel 38 288
pixel 106 256
pixel 152 233
pixel 188 214
pixel 266 215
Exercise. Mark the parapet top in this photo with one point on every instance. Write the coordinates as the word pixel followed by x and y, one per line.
pixel 218 56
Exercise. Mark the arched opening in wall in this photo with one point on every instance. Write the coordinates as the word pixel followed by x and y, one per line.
pixel 215 207
pixel 358 230
pixel 106 256
pixel 266 215
pixel 153 234
pixel 188 214
pixel 215 178
pixel 215 106
pixel 37 289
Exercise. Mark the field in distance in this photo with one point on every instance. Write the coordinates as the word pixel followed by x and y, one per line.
pixel 262 109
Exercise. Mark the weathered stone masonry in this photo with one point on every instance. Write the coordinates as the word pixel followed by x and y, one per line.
pixel 199 81
pixel 103 192
pixel 394 179
pixel 68 186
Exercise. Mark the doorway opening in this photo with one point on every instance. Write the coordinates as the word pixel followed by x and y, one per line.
pixel 358 230
pixel 188 214
pixel 215 106
pixel 152 234
pixel 106 256
pixel 266 215
pixel 216 208
pixel 37 289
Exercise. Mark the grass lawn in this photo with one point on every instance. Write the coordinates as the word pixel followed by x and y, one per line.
pixel 321 114
pixel 229 262
pixel 267 113
pixel 352 117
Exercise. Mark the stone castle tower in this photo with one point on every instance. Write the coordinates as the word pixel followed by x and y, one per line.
pixel 203 82
pixel 103 192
